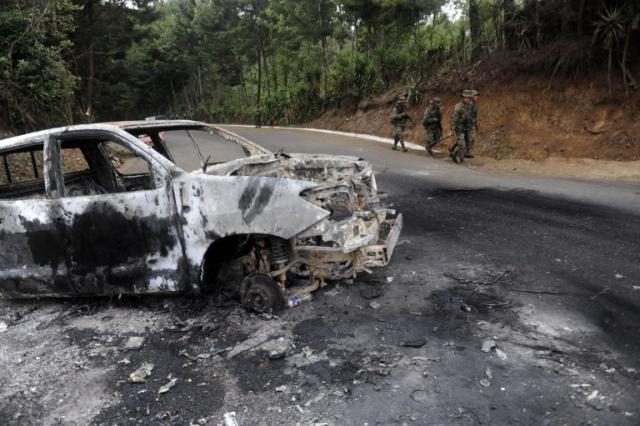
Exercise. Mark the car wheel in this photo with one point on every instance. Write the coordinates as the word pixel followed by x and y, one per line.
pixel 262 294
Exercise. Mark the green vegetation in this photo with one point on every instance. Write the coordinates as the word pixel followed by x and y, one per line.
pixel 64 61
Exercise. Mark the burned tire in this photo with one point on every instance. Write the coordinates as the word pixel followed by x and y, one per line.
pixel 262 294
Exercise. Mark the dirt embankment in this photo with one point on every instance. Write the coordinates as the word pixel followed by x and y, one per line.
pixel 523 118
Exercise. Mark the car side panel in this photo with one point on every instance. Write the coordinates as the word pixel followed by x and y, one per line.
pixel 214 207
pixel 32 249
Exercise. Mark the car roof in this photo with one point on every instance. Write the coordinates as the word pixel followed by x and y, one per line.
pixel 134 128
pixel 27 138
pixel 153 124
pixel 16 141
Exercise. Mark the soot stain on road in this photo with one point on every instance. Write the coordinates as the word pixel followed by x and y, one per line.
pixel 578 245
pixel 314 332
pixel 195 394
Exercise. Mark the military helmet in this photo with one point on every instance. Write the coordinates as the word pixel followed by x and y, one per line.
pixel 436 100
pixel 469 93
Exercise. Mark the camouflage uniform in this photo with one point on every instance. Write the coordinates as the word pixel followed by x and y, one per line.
pixel 432 122
pixel 464 122
pixel 399 119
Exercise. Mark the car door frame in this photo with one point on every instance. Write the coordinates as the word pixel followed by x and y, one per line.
pixel 32 263
pixel 120 242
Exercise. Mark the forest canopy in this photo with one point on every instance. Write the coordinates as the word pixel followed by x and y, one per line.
pixel 70 61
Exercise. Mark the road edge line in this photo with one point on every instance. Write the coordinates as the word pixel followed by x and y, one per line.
pixel 388 141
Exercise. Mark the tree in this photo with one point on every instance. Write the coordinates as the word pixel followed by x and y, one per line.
pixel 610 30
pixel 36 85
pixel 474 28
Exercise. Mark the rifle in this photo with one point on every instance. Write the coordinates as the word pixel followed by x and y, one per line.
pixel 446 137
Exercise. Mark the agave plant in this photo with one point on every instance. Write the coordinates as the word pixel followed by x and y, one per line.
pixel 610 30
pixel 414 91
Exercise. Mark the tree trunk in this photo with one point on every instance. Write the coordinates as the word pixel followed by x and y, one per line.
pixel 510 39
pixel 355 36
pixel 274 72
pixel 325 65
pixel 265 67
pixel 565 27
pixel 259 92
pixel 474 29
pixel 88 111
pixel 609 67
pixel 580 27
pixel 199 94
pixel 243 85
pixel 625 49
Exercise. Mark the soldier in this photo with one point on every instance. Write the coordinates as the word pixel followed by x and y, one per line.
pixel 464 122
pixel 432 122
pixel 399 119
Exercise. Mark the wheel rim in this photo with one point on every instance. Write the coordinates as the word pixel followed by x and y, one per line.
pixel 260 300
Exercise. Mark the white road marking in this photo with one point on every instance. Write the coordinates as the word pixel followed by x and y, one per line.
pixel 388 141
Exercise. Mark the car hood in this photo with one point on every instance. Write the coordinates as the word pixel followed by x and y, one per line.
pixel 319 168
pixel 344 184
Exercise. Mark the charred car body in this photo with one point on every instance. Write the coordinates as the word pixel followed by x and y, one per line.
pixel 92 210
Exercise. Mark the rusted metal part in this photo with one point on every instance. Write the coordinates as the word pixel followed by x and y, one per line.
pixel 310 217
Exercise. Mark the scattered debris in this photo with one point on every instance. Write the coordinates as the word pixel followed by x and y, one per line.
pixel 134 343
pixel 636 287
pixel 248 344
pixel 3 326
pixel 277 348
pixel 465 308
pixel 184 353
pixel 370 291
pixel 375 305
pixel 607 369
pixel 168 386
pixel 618 276
pixel 488 344
pixel 389 280
pixel 230 419
pixel 523 290
pixel 282 388
pixel 125 361
pixel 141 374
pixel 603 291
pixel 592 395
pixel 295 301
pixel 484 382
pixel 501 354
pixel 493 279
pixel 342 392
pixel 419 395
pixel 317 398
pixel 414 343
pixel 488 373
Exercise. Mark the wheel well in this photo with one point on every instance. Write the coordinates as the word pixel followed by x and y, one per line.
pixel 223 260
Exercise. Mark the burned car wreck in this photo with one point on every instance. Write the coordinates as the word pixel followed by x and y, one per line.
pixel 182 206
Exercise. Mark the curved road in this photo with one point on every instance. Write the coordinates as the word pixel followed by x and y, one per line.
pixel 550 267
pixel 510 300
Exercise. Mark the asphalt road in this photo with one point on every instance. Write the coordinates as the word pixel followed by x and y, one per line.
pixel 570 249
pixel 509 300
